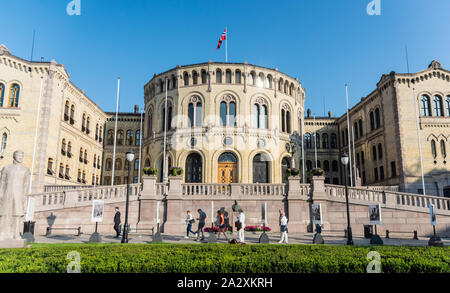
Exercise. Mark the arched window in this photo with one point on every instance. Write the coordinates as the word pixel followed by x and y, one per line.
pixel 372 122
pixel 237 77
pixel 326 166
pixel 437 102
pixel 280 85
pixel 2 94
pixel 447 104
pixel 355 130
pixel 218 76
pixel 260 82
pixel 174 82
pixel 204 79
pixel 374 153
pixel 252 78
pixel 380 151
pixel 268 81
pixel 147 163
pixel 169 117
pixel 150 123
pixel 286 87
pixel 4 141
pixel 136 164
pixel 195 112
pixel 291 90
pixel 161 86
pixel 194 77
pixel 88 122
pixel 425 106
pixel 108 166
pixel 443 150
pixel 263 117
pixel 138 138
pixel 256 115
pixel 317 140
pixel 360 128
pixel 118 164
pixel 186 79
pixel 333 141
pixel 66 111
pixel 335 166
pixel 228 76
pixel 63 147
pixel 377 118
pixel 228 112
pixel 285 119
pixel 110 137
pixel 120 137
pixel 14 96
pixel 433 148
pixel 83 123
pixel 194 166
pixel 130 135
pixel 325 143
pixel 308 140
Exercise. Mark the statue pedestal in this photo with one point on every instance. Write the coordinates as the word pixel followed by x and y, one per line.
pixel 13 243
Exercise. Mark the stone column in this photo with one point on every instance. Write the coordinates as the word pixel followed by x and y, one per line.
pixel 148 200
pixel 175 209
pixel 319 196
pixel 298 213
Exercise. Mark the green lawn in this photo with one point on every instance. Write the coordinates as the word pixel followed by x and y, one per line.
pixel 224 258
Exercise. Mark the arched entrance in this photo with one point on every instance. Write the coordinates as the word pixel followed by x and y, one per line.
pixel 194 167
pixel 260 169
pixel 285 164
pixel 227 168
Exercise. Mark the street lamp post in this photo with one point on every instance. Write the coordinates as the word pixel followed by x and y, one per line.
pixel 129 158
pixel 344 161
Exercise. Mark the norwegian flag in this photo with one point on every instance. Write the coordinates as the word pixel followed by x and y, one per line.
pixel 223 37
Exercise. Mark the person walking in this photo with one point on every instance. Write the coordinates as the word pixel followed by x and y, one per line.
pixel 189 221
pixel 283 228
pixel 241 227
pixel 117 222
pixel 221 224
pixel 201 224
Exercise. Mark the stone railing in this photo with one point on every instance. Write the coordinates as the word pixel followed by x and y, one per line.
pixel 206 189
pixel 407 201
pixel 53 188
pixel 383 188
pixel 82 197
pixel 234 189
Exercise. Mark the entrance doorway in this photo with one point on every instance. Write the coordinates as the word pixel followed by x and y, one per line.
pixel 194 166
pixel 227 169
pixel 260 169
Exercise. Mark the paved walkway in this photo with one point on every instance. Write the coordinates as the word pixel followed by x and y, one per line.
pixel 249 237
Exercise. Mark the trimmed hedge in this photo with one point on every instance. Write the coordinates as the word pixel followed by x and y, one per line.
pixel 222 258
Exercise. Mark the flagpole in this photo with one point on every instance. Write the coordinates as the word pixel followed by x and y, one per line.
pixel 303 153
pixel 115 132
pixel 348 138
pixel 140 150
pixel 354 154
pixel 418 141
pixel 96 156
pixel 315 141
pixel 35 135
pixel 165 136
pixel 226 45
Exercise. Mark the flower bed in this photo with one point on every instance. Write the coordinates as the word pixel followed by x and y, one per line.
pixel 257 228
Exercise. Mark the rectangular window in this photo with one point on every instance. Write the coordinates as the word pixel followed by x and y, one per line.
pixel 375 173
pixel 381 172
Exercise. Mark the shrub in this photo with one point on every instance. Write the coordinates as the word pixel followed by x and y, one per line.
pixel 292 172
pixel 223 258
pixel 150 171
pixel 316 172
pixel 175 171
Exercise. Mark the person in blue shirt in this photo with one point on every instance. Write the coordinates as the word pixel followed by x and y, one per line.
pixel 201 224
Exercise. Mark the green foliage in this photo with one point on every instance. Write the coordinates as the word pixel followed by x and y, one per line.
pixel 150 171
pixel 223 258
pixel 175 171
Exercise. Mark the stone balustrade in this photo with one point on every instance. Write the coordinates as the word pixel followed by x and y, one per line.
pixel 55 200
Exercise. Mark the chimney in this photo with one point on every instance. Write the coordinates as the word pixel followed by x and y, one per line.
pixel 42 59
pixel 136 109
pixel 329 114
pixel 309 113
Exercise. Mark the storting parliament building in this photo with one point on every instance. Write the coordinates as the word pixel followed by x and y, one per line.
pixel 226 123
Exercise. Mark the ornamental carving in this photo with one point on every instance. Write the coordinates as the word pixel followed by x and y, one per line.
pixel 229 98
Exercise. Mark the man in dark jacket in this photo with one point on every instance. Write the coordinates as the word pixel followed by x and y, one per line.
pixel 117 222
pixel 201 224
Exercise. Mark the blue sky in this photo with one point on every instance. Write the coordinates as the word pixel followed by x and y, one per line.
pixel 325 43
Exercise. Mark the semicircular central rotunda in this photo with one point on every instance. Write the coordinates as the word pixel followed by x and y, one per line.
pixel 226 122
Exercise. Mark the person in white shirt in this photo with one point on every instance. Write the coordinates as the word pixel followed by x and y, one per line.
pixel 283 228
pixel 189 221
pixel 241 220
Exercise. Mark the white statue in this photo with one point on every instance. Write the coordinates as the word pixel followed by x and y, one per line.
pixel 14 184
